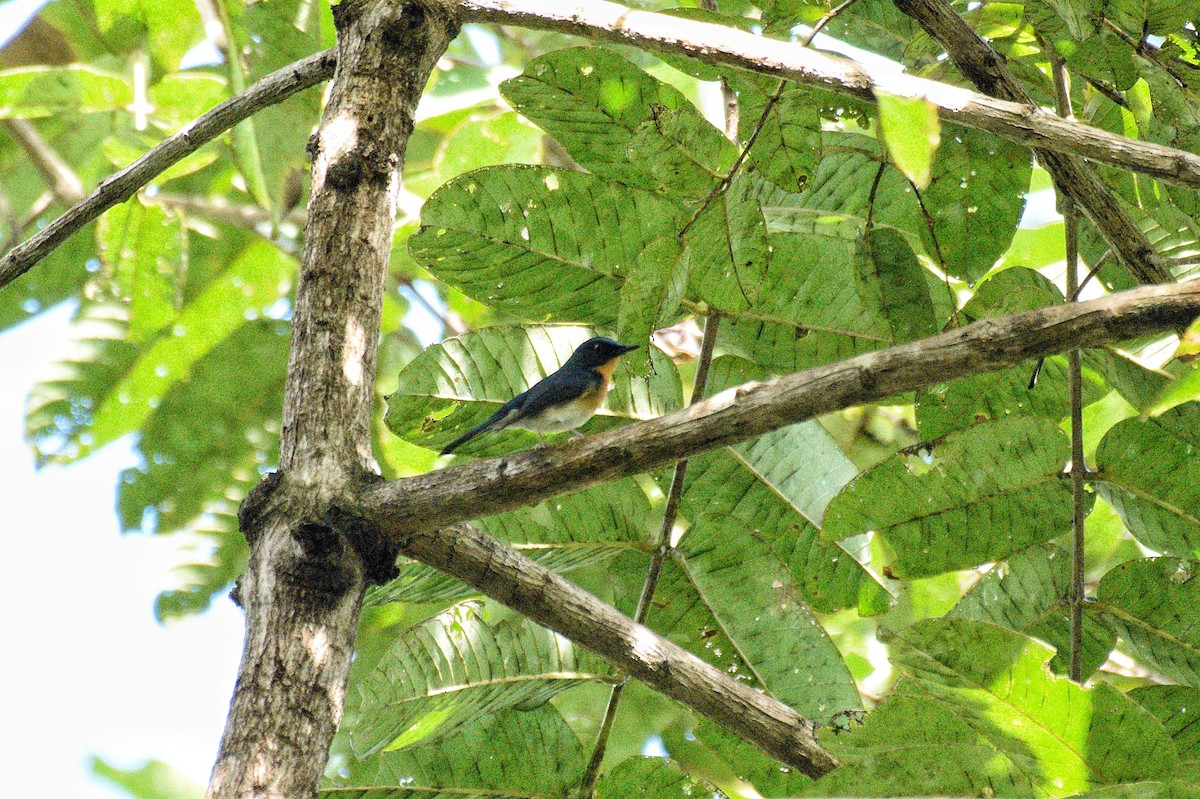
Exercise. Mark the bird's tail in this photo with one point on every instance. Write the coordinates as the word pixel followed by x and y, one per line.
pixel 467 436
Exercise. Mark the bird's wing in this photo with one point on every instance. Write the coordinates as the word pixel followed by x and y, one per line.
pixel 550 392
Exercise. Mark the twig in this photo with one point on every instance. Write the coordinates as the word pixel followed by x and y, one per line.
pixel 122 185
pixel 662 550
pixel 61 179
pixel 987 70
pixel 1062 98
pixel 1104 259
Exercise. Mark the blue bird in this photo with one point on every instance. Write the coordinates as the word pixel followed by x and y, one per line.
pixel 561 401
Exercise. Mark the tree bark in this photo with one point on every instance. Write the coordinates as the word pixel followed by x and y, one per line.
pixel 309 565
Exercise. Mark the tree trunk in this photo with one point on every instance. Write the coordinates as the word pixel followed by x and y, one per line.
pixel 303 588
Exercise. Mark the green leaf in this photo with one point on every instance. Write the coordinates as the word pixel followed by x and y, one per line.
pixel 912 133
pixel 728 250
pixel 1028 594
pixel 58 276
pixel 650 778
pixel 1176 706
pixel 530 754
pixel 539 242
pixel 975 199
pixel 1152 604
pixel 753 598
pixel 457 384
pixel 153 779
pixel 619 122
pixel 31 92
pixel 977 495
pixel 143 248
pixel 485 139
pixel 910 746
pixel 650 297
pixel 958 404
pixel 888 265
pixel 455 669
pixel 779 484
pixel 220 422
pixel 1150 475
pixel 1063 737
pixel 788 146
pixel 214 554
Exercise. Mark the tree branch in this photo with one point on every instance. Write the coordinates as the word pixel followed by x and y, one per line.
pixel 708 42
pixel 984 67
pixel 495 485
pixel 58 175
pixel 1021 121
pixel 120 186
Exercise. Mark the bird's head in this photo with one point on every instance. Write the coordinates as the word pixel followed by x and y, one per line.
pixel 599 351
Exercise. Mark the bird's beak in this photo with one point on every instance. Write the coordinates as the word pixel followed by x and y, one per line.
pixel 630 348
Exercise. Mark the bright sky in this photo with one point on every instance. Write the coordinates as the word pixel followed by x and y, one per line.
pixel 87 669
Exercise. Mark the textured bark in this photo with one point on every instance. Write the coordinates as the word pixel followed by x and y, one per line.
pixel 494 485
pixel 984 67
pixel 303 588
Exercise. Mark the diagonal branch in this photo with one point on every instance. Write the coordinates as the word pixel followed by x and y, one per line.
pixel 984 67
pixel 705 41
pixel 495 485
pixel 418 514
pixel 120 186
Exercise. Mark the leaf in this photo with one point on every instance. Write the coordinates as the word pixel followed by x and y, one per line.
pixel 754 600
pixel 455 669
pixel 188 458
pixel 788 146
pixel 118 398
pixel 1064 738
pixel 1152 604
pixel 912 133
pixel 59 276
pixel 1149 475
pixel 914 747
pixel 887 264
pixel 32 92
pixel 216 554
pixel 511 753
pixel 650 778
pixel 538 242
pixel 977 495
pixel 154 779
pixel 1176 707
pixel 958 404
pixel 457 384
pixel 650 297
pixel 619 122
pixel 779 484
pixel 975 200
pixel 1029 594
pixel 728 249
pixel 142 247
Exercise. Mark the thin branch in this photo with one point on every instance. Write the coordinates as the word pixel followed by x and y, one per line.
pixel 987 70
pixel 662 551
pixel 1021 122
pixel 1062 100
pixel 494 485
pixel 715 44
pixel 120 186
pixel 236 214
pixel 61 179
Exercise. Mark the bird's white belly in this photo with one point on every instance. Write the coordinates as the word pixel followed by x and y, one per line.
pixel 556 420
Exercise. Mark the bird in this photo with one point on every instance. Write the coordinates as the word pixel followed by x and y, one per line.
pixel 560 401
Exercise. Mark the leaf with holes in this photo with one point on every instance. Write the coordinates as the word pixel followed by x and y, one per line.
pixel 540 243
pixel 977 495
